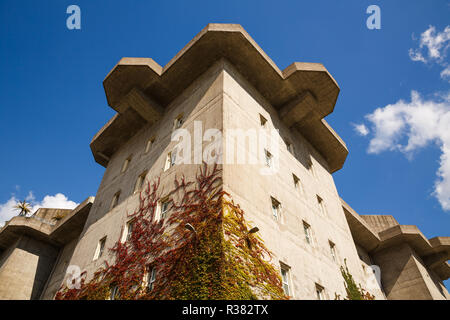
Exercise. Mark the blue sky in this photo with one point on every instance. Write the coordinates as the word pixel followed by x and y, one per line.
pixel 52 100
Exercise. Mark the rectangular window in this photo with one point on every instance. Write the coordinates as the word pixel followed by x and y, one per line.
pixel 170 159
pixel 289 146
pixel 164 208
pixel 262 120
pixel 276 206
pixel 307 229
pixel 285 277
pixel 321 205
pixel 297 183
pixel 100 248
pixel 178 122
pixel 149 144
pixel 115 200
pixel 125 164
pixel 268 158
pixel 310 167
pixel 140 182
pixel 320 292
pixel 114 292
pixel 333 250
pixel 128 231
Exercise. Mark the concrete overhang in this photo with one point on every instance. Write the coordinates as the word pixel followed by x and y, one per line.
pixel 361 232
pixel 58 234
pixel 434 252
pixel 303 93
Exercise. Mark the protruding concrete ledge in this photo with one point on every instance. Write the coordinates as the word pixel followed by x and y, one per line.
pixel 434 252
pixel 57 234
pixel 231 42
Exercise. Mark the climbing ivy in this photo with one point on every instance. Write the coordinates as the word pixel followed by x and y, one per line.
pixel 203 250
pixel 354 291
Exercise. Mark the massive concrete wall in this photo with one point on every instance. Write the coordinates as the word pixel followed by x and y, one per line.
pixel 404 276
pixel 25 268
pixel 202 101
pixel 309 264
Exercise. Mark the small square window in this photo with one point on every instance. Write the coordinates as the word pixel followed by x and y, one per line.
pixel 276 207
pixel 100 248
pixel 115 200
pixel 263 121
pixel 126 164
pixel 320 292
pixel 285 278
pixel 149 144
pixel 307 230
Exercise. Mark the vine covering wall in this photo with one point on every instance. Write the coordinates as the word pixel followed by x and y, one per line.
pixel 202 250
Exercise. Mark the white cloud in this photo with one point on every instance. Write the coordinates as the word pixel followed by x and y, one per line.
pixel 433 47
pixel 445 74
pixel 59 201
pixel 410 126
pixel 361 129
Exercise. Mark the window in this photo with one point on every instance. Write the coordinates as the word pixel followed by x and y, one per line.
pixel 164 208
pixel 321 205
pixel 125 164
pixel 310 166
pixel 128 231
pixel 178 122
pixel 289 147
pixel 268 158
pixel 285 278
pixel 115 200
pixel 297 183
pixel 149 278
pixel 276 206
pixel 320 292
pixel 333 251
pixel 262 120
pixel 170 159
pixel 149 144
pixel 140 181
pixel 100 248
pixel 307 229
pixel 114 292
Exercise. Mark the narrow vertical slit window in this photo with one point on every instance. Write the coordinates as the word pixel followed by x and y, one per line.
pixel 149 144
pixel 320 292
pixel 263 121
pixel 100 248
pixel 140 182
pixel 333 251
pixel 307 230
pixel 321 205
pixel 115 200
pixel 285 277
pixel 276 207
pixel 178 122
pixel 126 163
pixel 297 183
pixel 268 158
